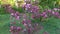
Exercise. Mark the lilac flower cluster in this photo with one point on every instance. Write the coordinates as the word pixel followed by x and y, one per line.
pixel 54 13
pixel 45 14
pixel 16 15
pixel 27 7
pixel 15 29
pixel 31 8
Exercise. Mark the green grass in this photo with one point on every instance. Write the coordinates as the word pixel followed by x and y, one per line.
pixel 4 24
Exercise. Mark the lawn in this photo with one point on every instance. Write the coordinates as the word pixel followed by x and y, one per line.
pixel 4 24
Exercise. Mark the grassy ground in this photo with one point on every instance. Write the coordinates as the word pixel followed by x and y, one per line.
pixel 52 25
pixel 4 24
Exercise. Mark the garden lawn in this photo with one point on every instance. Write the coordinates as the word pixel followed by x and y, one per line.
pixel 4 24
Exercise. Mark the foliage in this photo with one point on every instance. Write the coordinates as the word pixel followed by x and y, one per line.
pixel 49 3
pixel 2 10
pixel 20 9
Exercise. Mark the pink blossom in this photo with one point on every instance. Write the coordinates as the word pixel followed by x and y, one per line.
pixel 18 17
pixel 58 16
pixel 49 11
pixel 56 13
pixel 35 9
pixel 45 16
pixel 44 13
pixel 28 7
pixel 11 28
pixel 19 28
pixel 25 24
pixel 53 12
pixel 55 9
pixel 17 13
